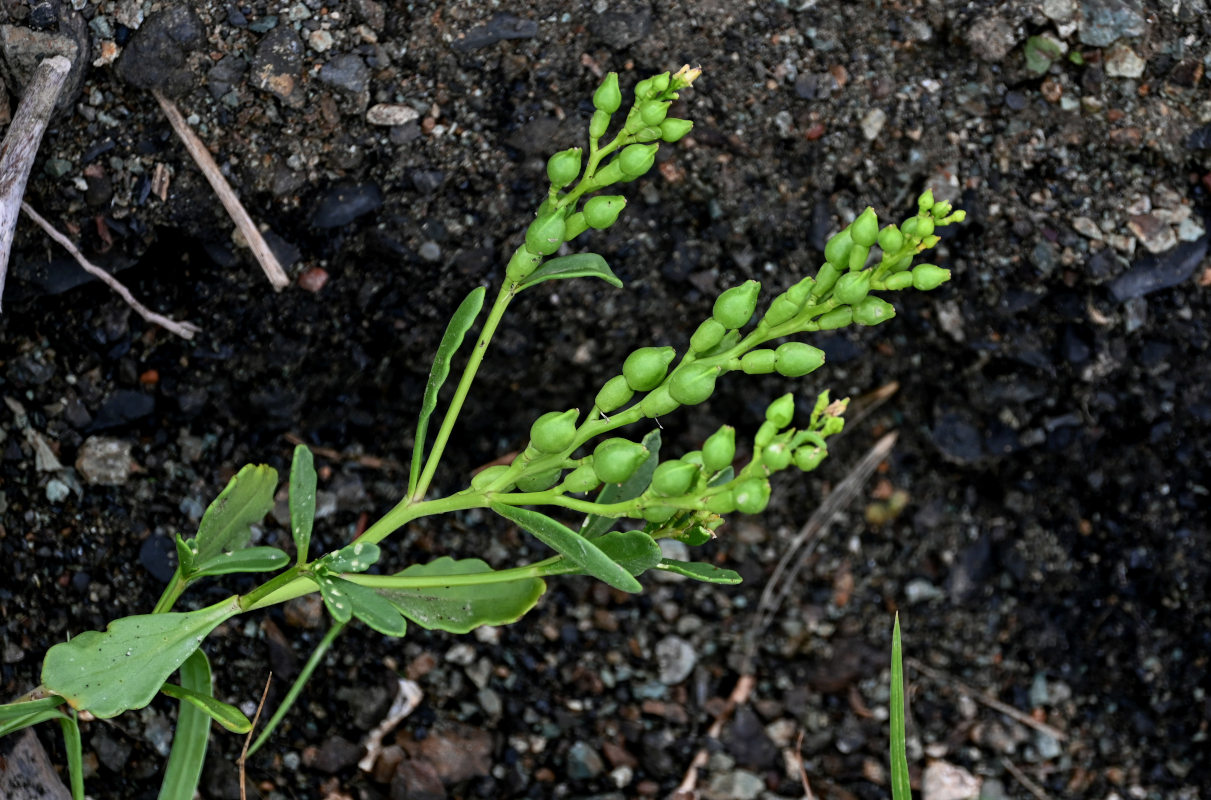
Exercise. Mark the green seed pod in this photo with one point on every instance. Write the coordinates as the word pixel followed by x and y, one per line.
pixel 645 368
pixel 574 226
pixel 809 457
pixel 693 384
pixel 694 457
pixel 852 287
pixel 660 83
pixel 898 280
pixel 909 227
pixel 925 201
pixel 613 394
pixel 540 482
pixel 796 359
pixel 940 210
pixel 832 426
pixel 781 310
pixel 873 310
pixel 865 230
pixel 758 362
pixel 598 124
pixel 658 403
pixel 751 496
pixel 554 431
pixel 801 291
pixel 765 434
pixel 615 460
pixel 673 478
pixel 564 167
pixel 837 318
pixel 826 279
pixel 657 514
pixel 609 174
pixel 857 256
pixel 719 450
pixel 735 307
pixel 781 411
pixel 602 211
pixel 608 96
pixel 521 264
pixel 709 334
pixel 891 240
pixel 929 276
pixel 776 457
pixel 672 129
pixel 924 227
pixel 582 479
pixel 721 503
pixel 487 476
pixel 648 134
pixel 654 112
pixel 545 234
pixel 643 89
pixel 901 263
pixel 930 241
pixel 636 159
pixel 837 250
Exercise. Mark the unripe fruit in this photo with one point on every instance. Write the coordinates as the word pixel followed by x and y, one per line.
pixel 865 230
pixel 735 307
pixel 929 276
pixel 721 504
pixel 758 362
pixel 781 411
pixel 940 209
pixel 719 450
pixel 891 240
pixel 852 287
pixel 837 318
pixel 649 134
pixel 693 384
pixel 809 457
pixel 800 291
pixel 694 457
pixel 925 201
pixel 673 478
pixel 564 167
pixel 615 460
pixel 709 334
pixel 598 124
pixel 654 112
pixel 900 264
pixel 837 250
pixel 636 159
pixel 601 211
pixel 826 279
pixel 521 264
pixel 776 457
pixel 545 234
pixel 582 479
pixel 485 477
pixel 751 496
pixel 832 425
pixel 611 173
pixel 924 226
pixel 765 434
pixel 645 368
pixel 898 280
pixel 782 309
pixel 857 256
pixel 672 129
pixel 657 514
pixel 909 227
pixel 613 394
pixel 873 310
pixel 643 89
pixel 608 96
pixel 659 83
pixel 658 403
pixel 574 226
pixel 796 359
pixel 540 482
pixel 554 431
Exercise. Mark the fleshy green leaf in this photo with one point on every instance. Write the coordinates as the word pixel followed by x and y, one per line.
pixel 356 557
pixel 226 715
pixel 578 265
pixel 462 608
pixel 373 609
pixel 699 571
pixel 571 545
pixel 246 500
pixel 456 329
pixel 596 525
pixel 184 768
pixel 14 710
pixel 123 667
pixel 900 788
pixel 335 599
pixel 250 559
pixel 302 500
pixel 634 551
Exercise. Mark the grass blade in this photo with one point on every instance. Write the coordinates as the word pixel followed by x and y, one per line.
pixel 188 753
pixel 296 688
pixel 900 790
pixel 75 754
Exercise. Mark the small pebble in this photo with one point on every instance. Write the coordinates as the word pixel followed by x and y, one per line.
pixel 320 41
pixel 391 114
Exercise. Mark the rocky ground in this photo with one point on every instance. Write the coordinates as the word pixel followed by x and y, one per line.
pixel 1054 410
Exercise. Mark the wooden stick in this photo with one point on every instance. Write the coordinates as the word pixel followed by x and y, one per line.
pixel 20 147
pixel 227 196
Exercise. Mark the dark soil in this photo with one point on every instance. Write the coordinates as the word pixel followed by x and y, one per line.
pixel 1053 409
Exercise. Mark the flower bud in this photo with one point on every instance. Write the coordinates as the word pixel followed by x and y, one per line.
pixel 781 411
pixel 891 240
pixel 658 403
pixel 719 450
pixel 809 457
pixel 654 112
pixel 636 159
pixel 925 201
pixel 924 227
pixel 832 425
pixel 545 234
pixel 765 435
pixel 735 307
pixel 613 395
pixel 582 479
pixel 837 318
pixel 540 482
pixel 672 129
pixel 837 250
pixel 782 309
pixel 574 226
pixel 608 96
pixel 857 256
pixel 487 476
pixel 873 310
pixel 673 478
pixel 660 83
pixel 751 496
pixel 554 431
pixel 709 334
pixel 598 124
pixel 865 230
pixel 796 359
pixel 940 209
pixel 758 362
pixel 615 460
pixel 684 77
pixel 645 368
pixel 693 384
pixel 898 280
pixel 564 167
pixel 776 457
pixel 852 287
pixel 826 279
pixel 602 211
pixel 929 276
pixel 643 89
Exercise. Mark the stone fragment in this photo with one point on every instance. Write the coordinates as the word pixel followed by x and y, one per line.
pixel 27 772
pixel 1122 62
pixel 104 461
pixel 391 114
pixel 945 781
pixel 992 37
pixel 584 763
pixel 872 123
pixel 1154 234
pixel 158 55
pixel 348 72
pixel 277 66
pixel 343 203
pixel 1101 22
pixel 737 785
pixel 1153 272
pixel 675 658
pixel 500 27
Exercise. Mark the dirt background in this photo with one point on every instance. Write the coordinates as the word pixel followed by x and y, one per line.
pixel 1053 407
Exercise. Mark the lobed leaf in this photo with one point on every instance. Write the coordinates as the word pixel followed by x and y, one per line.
pixel 226 525
pixel 462 608
pixel 578 265
pixel 699 571
pixel 595 525
pixel 574 547
pixel 302 500
pixel 189 741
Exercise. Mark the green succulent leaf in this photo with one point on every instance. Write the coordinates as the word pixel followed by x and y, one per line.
pixel 356 557
pixel 460 608
pixel 123 667
pixel 302 500
pixel 250 559
pixel 226 715
pixel 226 525
pixel 372 608
pixel 577 265
pixel 699 571
pixel 596 525
pixel 335 600
pixel 634 551
pixel 184 768
pixel 900 789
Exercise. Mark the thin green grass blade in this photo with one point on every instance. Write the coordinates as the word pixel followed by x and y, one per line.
pixel 75 754
pixel 296 688
pixel 14 724
pixel 13 710
pixel 302 500
pixel 900 789
pixel 188 754
pixel 460 323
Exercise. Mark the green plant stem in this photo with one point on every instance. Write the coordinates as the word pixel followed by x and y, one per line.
pixel 249 601
pixel 296 688
pixel 172 592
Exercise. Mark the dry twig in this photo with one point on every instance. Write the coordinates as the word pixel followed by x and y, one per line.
pixel 739 696
pixel 1021 777
pixel 248 739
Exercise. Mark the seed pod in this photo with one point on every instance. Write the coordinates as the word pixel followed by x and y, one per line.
pixel 837 250
pixel 608 96
pixel 929 276
pixel 758 362
pixel 796 359
pixel 657 514
pixel 540 482
pixel 898 280
pixel 694 457
pixel 781 310
pixel 554 431
pixel 837 318
pixel 857 256
pixel 574 226
pixel 601 211
pixel 826 279
pixel 721 503
pixel 673 478
pixel 940 210
pixel 751 496
pixel 658 403
pixel 613 394
pixel 582 479
pixel 564 167
pixel 765 434
pixel 610 174
pixel 809 457
pixel 709 334
pixel 852 287
pixel 672 129
pixel 545 234
pixel 900 264
pixel 654 112
pixel 924 227
pixel 801 291
pixel 873 310
pixel 598 124
pixel 615 460
pixel 909 227
pixel 832 425
pixel 735 307
pixel 521 264
pixel 693 384
pixel 645 368
pixel 865 229
pixel 648 134
pixel 636 159
pixel 781 411
pixel 486 476
pixel 776 457
pixel 660 83
pixel 719 450
pixel 925 201
pixel 891 240
pixel 643 89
